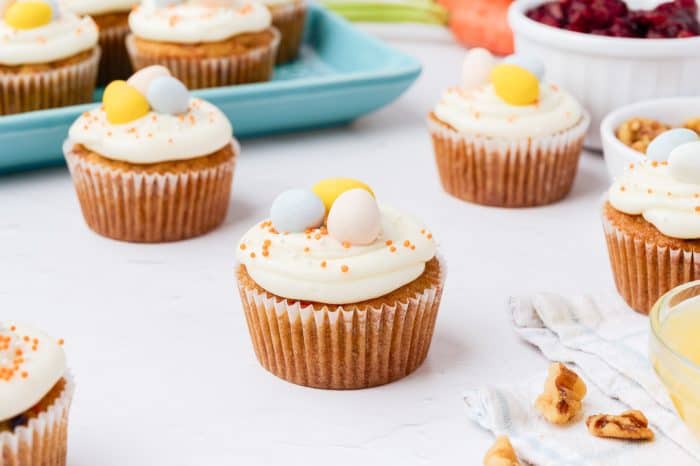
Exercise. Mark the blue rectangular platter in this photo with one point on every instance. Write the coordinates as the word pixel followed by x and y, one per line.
pixel 342 74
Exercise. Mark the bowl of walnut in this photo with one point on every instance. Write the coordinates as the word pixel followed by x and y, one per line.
pixel 627 131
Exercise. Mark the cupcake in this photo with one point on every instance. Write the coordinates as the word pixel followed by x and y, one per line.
pixel 651 218
pixel 289 17
pixel 339 292
pixel 48 58
pixel 36 391
pixel 205 43
pixel 502 138
pixel 112 18
pixel 152 164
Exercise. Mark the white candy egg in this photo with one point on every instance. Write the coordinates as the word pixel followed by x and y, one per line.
pixel 684 163
pixel 142 78
pixel 533 64
pixel 295 210
pixel 354 218
pixel 477 67
pixel 168 95
pixel 663 144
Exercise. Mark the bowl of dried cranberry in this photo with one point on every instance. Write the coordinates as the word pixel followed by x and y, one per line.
pixel 608 54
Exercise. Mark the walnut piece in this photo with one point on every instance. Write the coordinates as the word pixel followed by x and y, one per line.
pixel 694 124
pixel 563 392
pixel 501 453
pixel 630 425
pixel 638 133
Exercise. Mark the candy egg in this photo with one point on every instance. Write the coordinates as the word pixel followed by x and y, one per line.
pixel 661 147
pixel 354 218
pixel 28 15
pixel 143 77
pixel 515 84
pixel 329 189
pixel 295 210
pixel 476 68
pixel 684 163
pixel 530 63
pixel 168 95
pixel 123 103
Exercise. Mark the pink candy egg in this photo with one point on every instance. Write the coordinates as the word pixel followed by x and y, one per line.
pixel 142 79
pixel 354 218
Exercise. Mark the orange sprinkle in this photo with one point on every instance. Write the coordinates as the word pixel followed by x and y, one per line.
pixel 654 163
pixel 243 246
pixel 650 191
pixel 267 243
pixel 389 242
pixel 307 249
pixel 344 268
pixel 622 188
pixel 252 255
pixel 13 328
pixel 346 245
pixel 392 249
pixel 25 375
pixel 697 208
pixel 406 243
pixel 324 264
pixel 265 253
pixel 61 341
pixel 430 236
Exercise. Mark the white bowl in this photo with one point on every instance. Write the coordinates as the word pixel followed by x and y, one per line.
pixel 605 73
pixel 673 111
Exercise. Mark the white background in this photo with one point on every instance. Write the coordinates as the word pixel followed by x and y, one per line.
pixel 156 338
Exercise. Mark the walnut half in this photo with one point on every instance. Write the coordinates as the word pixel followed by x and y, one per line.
pixel 563 392
pixel 501 453
pixel 638 133
pixel 630 425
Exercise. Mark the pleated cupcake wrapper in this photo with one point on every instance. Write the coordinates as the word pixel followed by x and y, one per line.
pixel 289 19
pixel 643 270
pixel 341 349
pixel 523 173
pixel 44 440
pixel 115 63
pixel 256 65
pixel 153 207
pixel 69 85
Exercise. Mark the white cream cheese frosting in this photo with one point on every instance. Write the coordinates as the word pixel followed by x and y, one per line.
pixel 315 267
pixel 31 363
pixel 98 7
pixel 480 111
pixel 649 190
pixel 63 37
pixel 195 22
pixel 156 137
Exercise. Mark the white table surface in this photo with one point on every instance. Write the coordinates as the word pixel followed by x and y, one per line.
pixel 157 340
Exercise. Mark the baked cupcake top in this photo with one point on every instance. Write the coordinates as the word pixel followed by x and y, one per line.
pixel 31 363
pixel 36 31
pixel 507 100
pixel 334 244
pixel 665 188
pixel 196 21
pixel 151 118
pixel 99 7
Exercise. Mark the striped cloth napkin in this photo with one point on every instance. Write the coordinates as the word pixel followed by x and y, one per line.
pixel 606 344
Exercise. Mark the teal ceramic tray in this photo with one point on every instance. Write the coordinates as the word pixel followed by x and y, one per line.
pixel 342 74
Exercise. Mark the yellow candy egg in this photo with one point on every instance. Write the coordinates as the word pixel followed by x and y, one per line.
pixel 515 85
pixel 329 189
pixel 28 15
pixel 124 103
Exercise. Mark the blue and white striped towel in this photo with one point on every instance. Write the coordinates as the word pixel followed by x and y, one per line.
pixel 606 344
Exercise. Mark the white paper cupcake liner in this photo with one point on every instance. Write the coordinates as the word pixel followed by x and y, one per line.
pixel 115 63
pixel 44 440
pixel 69 85
pixel 151 207
pixel 256 65
pixel 521 173
pixel 290 20
pixel 352 347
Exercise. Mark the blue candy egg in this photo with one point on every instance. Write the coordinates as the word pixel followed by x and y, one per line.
pixel 532 64
pixel 168 95
pixel 662 146
pixel 296 210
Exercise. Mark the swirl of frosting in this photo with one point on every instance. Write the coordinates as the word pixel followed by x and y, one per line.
pixel 193 22
pixel 480 111
pixel 64 37
pixel 31 363
pixel 315 267
pixel 98 7
pixel 156 137
pixel 648 189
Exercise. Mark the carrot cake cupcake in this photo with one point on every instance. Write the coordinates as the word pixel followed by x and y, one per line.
pixel 651 219
pixel 36 391
pixel 504 138
pixel 48 58
pixel 205 43
pixel 339 292
pixel 112 18
pixel 152 164
pixel 289 17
